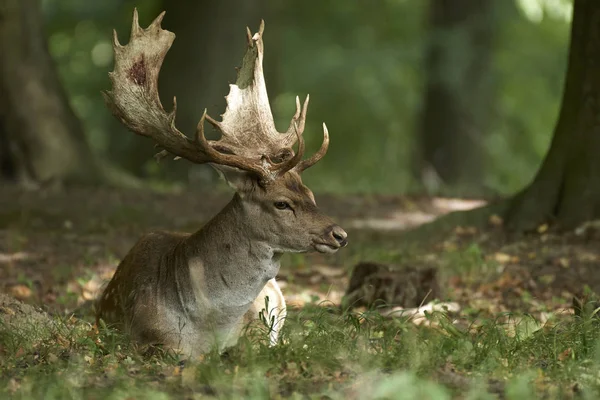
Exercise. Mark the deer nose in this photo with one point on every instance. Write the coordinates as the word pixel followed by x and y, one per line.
pixel 339 235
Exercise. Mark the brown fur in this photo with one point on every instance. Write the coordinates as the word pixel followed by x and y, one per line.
pixel 192 292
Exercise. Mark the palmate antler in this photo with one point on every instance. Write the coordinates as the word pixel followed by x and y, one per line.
pixel 249 140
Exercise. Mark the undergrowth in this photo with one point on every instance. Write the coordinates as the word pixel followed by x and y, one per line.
pixel 323 352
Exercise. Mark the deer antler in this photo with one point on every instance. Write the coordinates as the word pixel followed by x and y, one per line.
pixel 302 165
pixel 249 140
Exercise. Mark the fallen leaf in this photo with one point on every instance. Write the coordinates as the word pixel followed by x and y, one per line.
pixel 92 285
pixel 502 258
pixel 496 220
pixel 93 331
pixel 464 231
pixel 20 292
pixel 565 354
pixel 564 262
pixel 20 352
pixel 449 246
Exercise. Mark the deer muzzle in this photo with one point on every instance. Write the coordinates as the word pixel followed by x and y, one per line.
pixel 334 239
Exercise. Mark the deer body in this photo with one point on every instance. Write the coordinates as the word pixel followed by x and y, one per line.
pixel 195 291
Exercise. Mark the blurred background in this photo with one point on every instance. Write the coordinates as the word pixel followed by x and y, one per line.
pixel 454 97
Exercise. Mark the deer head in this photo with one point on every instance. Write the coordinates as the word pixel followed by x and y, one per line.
pixel 254 158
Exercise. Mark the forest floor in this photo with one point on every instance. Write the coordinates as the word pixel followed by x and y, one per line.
pixel 506 328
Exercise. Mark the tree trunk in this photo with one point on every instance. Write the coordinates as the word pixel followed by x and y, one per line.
pixel 41 139
pixel 566 189
pixel 457 95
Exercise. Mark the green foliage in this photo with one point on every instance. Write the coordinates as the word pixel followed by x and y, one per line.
pixel 530 78
pixel 323 352
pixel 365 82
pixel 362 64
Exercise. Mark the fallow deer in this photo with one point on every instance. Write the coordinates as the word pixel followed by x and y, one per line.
pixel 194 291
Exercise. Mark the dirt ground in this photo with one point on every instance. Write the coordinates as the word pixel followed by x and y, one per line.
pixel 57 248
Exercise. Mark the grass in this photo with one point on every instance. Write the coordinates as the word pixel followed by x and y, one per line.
pixel 323 352
pixel 482 352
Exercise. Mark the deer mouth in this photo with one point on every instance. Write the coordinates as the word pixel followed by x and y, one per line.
pixel 326 248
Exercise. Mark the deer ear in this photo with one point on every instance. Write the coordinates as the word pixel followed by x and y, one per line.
pixel 241 181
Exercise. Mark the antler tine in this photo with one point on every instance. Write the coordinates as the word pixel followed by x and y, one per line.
pixel 303 115
pixel 217 157
pixel 298 120
pixel 158 20
pixel 293 161
pixel 215 123
pixel 160 155
pixel 116 45
pixel 297 113
pixel 249 37
pixel 318 155
pixel 135 24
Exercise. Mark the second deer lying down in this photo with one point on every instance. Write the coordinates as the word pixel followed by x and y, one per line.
pixel 195 291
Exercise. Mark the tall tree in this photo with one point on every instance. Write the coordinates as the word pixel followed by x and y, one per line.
pixel 566 189
pixel 457 94
pixel 41 139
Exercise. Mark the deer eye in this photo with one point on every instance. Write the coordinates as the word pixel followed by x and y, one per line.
pixel 282 205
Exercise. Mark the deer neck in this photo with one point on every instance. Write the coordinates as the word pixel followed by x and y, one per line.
pixel 228 266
